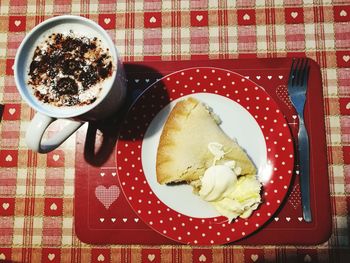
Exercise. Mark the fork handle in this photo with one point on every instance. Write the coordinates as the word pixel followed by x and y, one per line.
pixel 304 167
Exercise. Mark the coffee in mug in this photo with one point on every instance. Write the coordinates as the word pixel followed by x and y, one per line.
pixel 68 68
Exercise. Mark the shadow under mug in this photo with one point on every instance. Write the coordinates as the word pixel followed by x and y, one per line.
pixel 110 99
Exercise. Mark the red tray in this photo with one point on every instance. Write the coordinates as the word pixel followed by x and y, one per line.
pixel 112 221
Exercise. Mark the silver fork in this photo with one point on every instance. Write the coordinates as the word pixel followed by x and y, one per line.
pixel 297 86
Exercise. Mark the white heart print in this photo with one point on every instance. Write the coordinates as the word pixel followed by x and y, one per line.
pixel 343 13
pixel 199 18
pixel 153 19
pixel 294 14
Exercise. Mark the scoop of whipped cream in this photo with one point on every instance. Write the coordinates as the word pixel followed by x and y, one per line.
pixel 216 182
pixel 231 194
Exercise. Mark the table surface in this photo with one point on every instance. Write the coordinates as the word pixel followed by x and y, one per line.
pixel 37 190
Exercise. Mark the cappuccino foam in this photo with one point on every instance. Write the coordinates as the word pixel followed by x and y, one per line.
pixel 69 69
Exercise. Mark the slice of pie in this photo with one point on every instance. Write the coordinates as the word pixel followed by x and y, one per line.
pixel 183 154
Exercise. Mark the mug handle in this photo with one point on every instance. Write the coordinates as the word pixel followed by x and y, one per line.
pixel 37 128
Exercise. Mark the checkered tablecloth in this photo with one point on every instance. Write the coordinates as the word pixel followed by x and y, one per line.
pixel 37 191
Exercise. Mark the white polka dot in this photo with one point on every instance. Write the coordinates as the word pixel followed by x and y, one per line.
pixel 203 234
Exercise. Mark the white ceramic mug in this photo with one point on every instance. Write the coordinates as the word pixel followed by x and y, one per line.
pixel 108 102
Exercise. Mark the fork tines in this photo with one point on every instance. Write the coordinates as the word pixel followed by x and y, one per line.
pixel 299 72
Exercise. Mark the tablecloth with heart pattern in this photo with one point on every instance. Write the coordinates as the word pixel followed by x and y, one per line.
pixel 37 191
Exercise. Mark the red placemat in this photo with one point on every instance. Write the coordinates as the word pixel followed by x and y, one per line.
pixel 103 215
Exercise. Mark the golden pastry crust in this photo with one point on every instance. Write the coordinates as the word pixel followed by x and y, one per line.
pixel 183 154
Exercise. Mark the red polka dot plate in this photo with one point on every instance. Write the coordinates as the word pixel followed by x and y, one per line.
pixel 248 114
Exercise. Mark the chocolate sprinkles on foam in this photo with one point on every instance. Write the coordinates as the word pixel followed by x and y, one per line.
pixel 67 70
